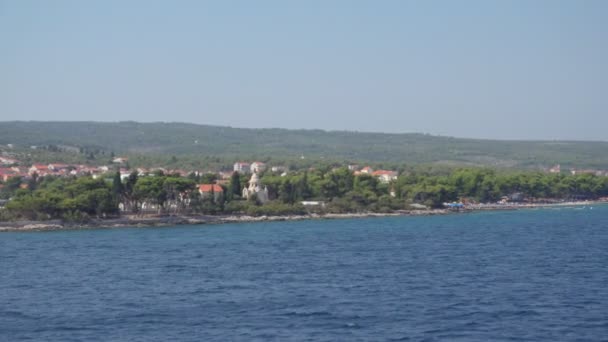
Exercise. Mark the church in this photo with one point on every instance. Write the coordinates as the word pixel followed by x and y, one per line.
pixel 254 190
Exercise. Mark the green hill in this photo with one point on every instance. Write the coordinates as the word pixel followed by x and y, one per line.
pixel 183 139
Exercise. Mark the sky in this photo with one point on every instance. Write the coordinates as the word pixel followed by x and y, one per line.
pixel 481 69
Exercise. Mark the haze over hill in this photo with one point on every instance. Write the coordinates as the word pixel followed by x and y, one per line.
pixel 480 69
pixel 227 142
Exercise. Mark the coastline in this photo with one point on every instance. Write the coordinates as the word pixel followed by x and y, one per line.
pixel 179 220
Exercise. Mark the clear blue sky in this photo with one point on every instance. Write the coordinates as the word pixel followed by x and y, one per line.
pixel 486 69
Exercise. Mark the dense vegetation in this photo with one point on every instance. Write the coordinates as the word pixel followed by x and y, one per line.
pixel 65 198
pixel 190 144
pixel 78 199
pixel 485 185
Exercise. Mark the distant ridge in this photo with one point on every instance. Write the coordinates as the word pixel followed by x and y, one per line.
pixel 195 139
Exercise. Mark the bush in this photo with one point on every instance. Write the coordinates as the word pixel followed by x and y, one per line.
pixel 76 217
pixel 236 207
pixel 276 208
pixel 6 215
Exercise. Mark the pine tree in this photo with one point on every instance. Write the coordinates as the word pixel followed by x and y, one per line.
pixel 235 185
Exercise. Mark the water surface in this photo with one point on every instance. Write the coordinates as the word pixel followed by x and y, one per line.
pixel 534 275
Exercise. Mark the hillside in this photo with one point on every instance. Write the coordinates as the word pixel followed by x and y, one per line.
pixel 202 140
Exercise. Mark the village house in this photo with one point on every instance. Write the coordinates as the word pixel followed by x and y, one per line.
pixel 598 173
pixel 6 173
pixel 86 170
pixel 225 175
pixel 278 169
pixel 60 168
pixel 367 170
pixel 8 161
pixel 241 167
pixel 313 203
pixel 40 169
pixel 120 160
pixel 385 176
pixel 124 174
pixel 257 167
pixel 555 169
pixel 208 190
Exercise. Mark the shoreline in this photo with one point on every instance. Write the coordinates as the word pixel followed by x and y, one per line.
pixel 184 220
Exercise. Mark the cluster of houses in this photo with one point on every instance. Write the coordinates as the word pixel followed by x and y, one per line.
pixel 10 167
pixel 55 169
pixel 384 176
pixel 558 169
pixel 256 167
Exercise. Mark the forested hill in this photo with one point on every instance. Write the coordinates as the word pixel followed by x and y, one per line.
pixel 191 139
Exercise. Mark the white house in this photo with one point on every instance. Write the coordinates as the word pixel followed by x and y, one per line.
pixel 120 160
pixel 385 176
pixel 368 170
pixel 241 167
pixel 257 167
pixel 8 161
pixel 278 169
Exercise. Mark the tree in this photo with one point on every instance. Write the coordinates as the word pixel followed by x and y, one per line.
pixel 151 191
pixel 130 198
pixel 33 182
pixel 208 178
pixel 117 186
pixel 235 185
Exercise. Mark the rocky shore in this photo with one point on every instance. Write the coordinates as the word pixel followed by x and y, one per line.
pixel 161 221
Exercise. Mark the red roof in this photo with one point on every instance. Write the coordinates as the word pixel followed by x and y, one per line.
pixel 383 172
pixel 210 188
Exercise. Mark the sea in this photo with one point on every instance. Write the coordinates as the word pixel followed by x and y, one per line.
pixel 526 275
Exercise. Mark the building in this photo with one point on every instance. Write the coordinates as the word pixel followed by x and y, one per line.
pixel 279 169
pixel 124 174
pixel 120 160
pixel 8 161
pixel 59 167
pixel 575 172
pixel 367 170
pixel 241 167
pixel 385 176
pixel 40 169
pixel 208 190
pixel 254 190
pixel 313 203
pixel 257 167
pixel 6 173
pixel 556 169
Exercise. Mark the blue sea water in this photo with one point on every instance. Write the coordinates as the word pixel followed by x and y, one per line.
pixel 532 275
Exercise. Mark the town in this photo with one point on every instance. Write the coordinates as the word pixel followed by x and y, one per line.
pixel 79 191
